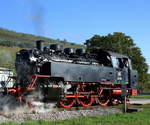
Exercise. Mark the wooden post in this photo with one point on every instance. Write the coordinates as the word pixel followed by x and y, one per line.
pixel 125 104
pixel 124 97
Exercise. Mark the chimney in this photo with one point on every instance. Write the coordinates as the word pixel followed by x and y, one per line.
pixel 39 44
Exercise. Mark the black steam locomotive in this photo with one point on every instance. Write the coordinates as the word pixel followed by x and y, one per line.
pixel 73 77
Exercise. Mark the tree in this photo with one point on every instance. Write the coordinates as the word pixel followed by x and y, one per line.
pixel 121 43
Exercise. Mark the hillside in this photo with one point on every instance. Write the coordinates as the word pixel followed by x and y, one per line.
pixel 7 35
pixel 11 41
pixel 11 35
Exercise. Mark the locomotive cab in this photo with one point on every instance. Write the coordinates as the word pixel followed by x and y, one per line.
pixel 124 72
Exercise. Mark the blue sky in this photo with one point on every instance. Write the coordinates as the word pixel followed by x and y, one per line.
pixel 78 20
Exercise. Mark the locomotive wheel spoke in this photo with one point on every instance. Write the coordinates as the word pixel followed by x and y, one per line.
pixel 67 102
pixel 86 101
pixel 103 98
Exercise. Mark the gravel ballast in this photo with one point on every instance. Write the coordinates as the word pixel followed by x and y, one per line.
pixel 55 115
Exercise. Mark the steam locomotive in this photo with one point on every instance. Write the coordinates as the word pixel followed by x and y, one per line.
pixel 73 77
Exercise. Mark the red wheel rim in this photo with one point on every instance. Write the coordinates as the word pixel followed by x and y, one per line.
pixel 67 103
pixel 86 101
pixel 103 98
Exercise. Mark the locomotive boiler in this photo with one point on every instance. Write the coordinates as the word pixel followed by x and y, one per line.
pixel 73 77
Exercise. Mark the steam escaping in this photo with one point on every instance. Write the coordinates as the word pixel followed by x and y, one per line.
pixel 37 16
pixel 10 104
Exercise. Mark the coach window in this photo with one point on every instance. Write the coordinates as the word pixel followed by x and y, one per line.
pixel 114 61
pixel 120 63
pixel 123 63
pixel 107 61
pixel 126 62
pixel 104 59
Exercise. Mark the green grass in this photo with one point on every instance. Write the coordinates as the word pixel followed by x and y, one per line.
pixel 141 96
pixel 136 118
pixel 7 56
